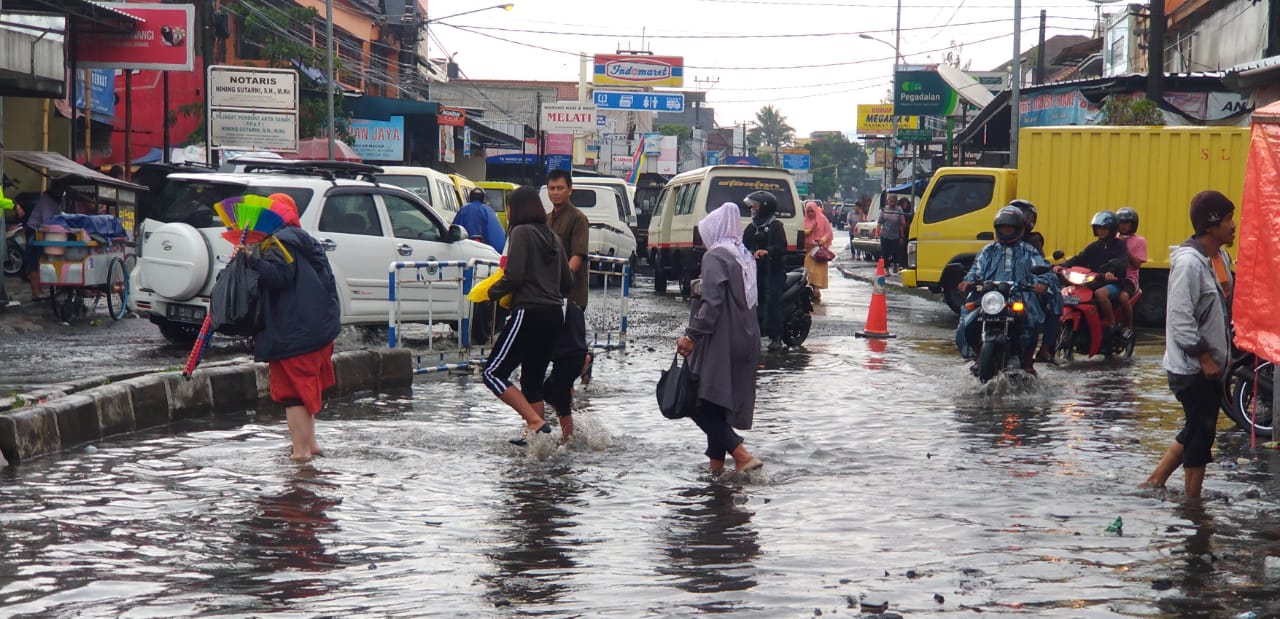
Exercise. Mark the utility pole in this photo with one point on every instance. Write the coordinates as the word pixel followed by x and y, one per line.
pixel 1015 85
pixel 1155 52
pixel 541 169
pixel 1040 60
pixel 897 59
pixel 328 16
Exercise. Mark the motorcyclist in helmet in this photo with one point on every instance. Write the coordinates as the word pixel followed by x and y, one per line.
pixel 1029 214
pixel 1050 301
pixel 1127 219
pixel 766 239
pixel 1010 258
pixel 1108 256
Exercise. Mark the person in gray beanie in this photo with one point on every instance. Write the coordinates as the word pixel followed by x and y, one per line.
pixel 1198 337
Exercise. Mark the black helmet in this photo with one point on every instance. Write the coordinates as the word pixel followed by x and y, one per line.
pixel 1010 216
pixel 476 195
pixel 1129 215
pixel 1028 212
pixel 1105 219
pixel 767 201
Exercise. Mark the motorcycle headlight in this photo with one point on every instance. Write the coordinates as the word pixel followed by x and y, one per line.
pixel 1078 278
pixel 993 303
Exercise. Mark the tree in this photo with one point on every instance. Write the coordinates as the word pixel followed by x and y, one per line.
pixel 1123 111
pixel 772 130
pixel 836 164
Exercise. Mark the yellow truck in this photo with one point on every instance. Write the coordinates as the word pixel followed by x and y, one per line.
pixel 1069 173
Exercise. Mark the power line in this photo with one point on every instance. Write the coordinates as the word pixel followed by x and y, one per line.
pixel 855 5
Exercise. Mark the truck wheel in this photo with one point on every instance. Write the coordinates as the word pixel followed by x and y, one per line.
pixel 950 288
pixel 1150 308
pixel 179 334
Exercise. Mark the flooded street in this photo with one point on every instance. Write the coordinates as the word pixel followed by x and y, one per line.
pixel 889 477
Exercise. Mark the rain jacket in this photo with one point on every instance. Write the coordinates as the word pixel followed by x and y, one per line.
pixel 537 272
pixel 481 221
pixel 303 313
pixel 1197 318
pixel 1009 263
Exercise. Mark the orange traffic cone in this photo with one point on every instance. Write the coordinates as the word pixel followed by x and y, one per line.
pixel 878 314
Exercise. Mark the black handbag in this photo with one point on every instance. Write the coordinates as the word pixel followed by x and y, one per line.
pixel 678 390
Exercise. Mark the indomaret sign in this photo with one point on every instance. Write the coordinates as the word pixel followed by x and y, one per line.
pixel 570 116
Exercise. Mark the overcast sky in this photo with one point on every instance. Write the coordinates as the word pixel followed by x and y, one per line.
pixel 733 50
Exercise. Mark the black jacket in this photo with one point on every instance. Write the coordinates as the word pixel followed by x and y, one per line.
pixel 537 272
pixel 771 237
pixel 303 312
pixel 1103 257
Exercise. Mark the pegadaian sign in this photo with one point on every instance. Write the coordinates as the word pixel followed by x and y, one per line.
pixel 626 70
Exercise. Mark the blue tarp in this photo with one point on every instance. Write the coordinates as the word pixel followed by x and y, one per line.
pixel 920 183
pixel 152 156
pixel 103 225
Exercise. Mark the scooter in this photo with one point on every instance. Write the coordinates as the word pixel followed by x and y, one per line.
pixel 797 307
pixel 1003 318
pixel 1249 380
pixel 15 244
pixel 1083 329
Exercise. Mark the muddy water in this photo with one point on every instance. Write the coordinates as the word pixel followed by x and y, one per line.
pixel 889 477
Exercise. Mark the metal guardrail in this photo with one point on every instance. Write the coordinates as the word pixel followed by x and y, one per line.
pixel 432 274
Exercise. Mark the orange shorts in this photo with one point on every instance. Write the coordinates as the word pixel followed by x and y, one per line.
pixel 300 380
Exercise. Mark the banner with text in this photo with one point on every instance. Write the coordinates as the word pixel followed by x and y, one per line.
pixel 877 119
pixel 161 41
pixel 922 92
pixel 378 140
pixel 569 116
pixel 627 70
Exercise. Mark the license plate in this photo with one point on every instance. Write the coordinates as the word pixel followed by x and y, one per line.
pixel 185 313
pixel 1071 300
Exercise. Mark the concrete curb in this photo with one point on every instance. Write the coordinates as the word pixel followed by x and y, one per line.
pixel 66 416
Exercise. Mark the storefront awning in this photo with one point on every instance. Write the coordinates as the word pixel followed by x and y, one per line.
pixel 55 165
pixel 488 137
pixel 82 13
pixel 383 108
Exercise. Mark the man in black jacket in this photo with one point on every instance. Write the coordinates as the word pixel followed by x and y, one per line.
pixel 766 239
pixel 1108 256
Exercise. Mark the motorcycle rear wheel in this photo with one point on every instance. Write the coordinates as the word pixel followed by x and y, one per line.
pixel 796 329
pixel 1240 408
pixel 13 259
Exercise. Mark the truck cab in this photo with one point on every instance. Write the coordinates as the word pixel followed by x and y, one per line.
pixel 952 224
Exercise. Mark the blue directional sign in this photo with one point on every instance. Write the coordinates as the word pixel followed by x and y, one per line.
pixel 795 161
pixel 641 101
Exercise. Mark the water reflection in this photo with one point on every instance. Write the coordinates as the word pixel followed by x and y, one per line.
pixel 710 542
pixel 284 535
pixel 535 525
pixel 1004 427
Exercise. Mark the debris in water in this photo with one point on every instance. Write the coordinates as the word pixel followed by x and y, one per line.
pixel 1116 527
pixel 1162 584
pixel 937 597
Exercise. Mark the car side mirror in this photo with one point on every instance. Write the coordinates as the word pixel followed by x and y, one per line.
pixel 457 233
pixel 1040 270
pixel 1059 254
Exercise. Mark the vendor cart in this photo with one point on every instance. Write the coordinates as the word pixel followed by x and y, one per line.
pixel 85 258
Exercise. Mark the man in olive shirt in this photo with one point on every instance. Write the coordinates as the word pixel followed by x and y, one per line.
pixel 571 226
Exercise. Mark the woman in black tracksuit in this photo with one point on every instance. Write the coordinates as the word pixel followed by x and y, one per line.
pixel 538 277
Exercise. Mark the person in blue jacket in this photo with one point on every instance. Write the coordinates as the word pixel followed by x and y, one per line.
pixel 1009 259
pixel 302 318
pixel 480 221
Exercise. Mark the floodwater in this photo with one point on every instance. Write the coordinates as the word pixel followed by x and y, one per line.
pixel 889 478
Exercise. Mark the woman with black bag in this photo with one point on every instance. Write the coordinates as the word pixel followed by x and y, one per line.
pixel 722 341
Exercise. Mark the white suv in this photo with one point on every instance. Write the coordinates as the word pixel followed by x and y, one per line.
pixel 363 226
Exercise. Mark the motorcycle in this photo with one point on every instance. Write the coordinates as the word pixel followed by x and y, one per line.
pixel 1083 329
pixel 15 245
pixel 797 308
pixel 1002 318
pixel 1249 380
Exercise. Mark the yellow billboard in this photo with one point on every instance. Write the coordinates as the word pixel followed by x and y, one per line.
pixel 877 119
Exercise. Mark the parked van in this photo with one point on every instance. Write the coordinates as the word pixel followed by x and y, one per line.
pixel 675 251
pixel 495 195
pixel 463 185
pixel 608 233
pixel 434 186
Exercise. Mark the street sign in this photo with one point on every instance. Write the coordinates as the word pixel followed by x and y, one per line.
pixel 569 116
pixel 713 157
pixel 642 101
pixel 915 135
pixel 247 130
pixel 252 88
pixel 802 189
pixel 795 161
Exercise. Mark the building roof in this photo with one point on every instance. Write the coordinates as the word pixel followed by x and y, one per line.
pixel 565 91
pixel 80 11
pixel 1053 46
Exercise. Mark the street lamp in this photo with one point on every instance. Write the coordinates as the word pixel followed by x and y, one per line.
pixel 897 59
pixel 426 35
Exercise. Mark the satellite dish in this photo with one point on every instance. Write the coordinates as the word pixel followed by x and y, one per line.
pixel 968 88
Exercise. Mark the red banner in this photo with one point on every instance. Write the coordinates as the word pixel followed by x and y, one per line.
pixel 162 42
pixel 451 117
pixel 1258 256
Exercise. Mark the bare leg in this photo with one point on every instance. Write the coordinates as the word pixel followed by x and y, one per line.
pixel 1104 306
pixel 302 429
pixel 515 399
pixel 1169 463
pixel 1193 480
pixel 566 428
pixel 743 460
pixel 1126 311
pixel 717 466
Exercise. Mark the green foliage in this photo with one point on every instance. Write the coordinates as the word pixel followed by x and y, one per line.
pixel 263 25
pixel 836 163
pixel 1122 111
pixel 771 130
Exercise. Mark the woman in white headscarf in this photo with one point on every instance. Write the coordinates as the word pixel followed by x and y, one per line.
pixel 722 340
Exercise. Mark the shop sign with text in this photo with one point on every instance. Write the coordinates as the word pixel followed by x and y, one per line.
pixel 626 70
pixel 161 41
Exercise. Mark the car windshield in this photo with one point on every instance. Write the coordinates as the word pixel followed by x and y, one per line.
pixel 615 188
pixel 417 185
pixel 496 199
pixel 736 188
pixel 191 201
